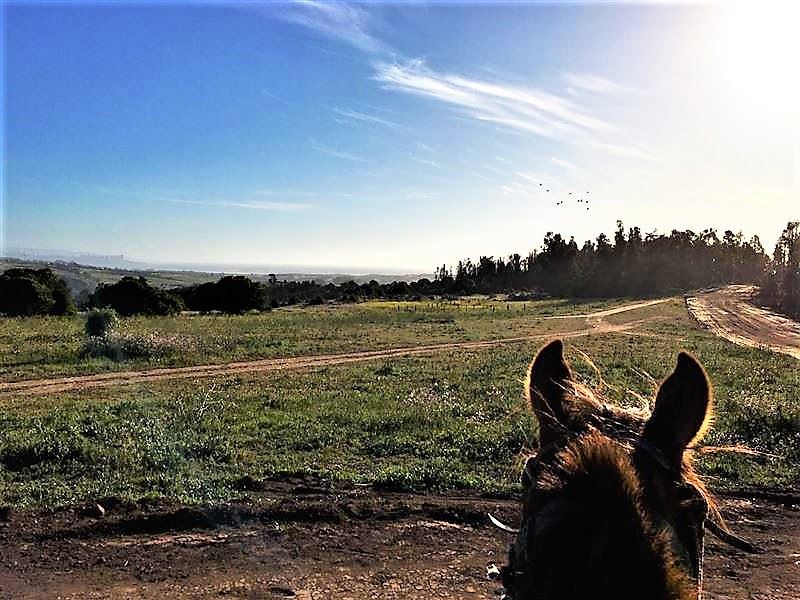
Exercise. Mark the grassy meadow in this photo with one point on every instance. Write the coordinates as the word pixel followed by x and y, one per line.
pixel 54 346
pixel 446 421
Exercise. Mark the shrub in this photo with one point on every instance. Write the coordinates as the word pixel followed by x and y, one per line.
pixel 232 294
pixel 125 346
pixel 101 322
pixel 134 296
pixel 25 292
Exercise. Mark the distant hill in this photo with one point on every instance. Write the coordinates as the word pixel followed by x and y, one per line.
pixel 83 279
pixel 110 261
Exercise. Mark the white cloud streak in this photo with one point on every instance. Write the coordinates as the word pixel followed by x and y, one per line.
pixel 337 153
pixel 523 108
pixel 538 178
pixel 248 204
pixel 565 164
pixel 593 83
pixel 425 161
pixel 306 194
pixel 354 115
pixel 567 115
pixel 343 22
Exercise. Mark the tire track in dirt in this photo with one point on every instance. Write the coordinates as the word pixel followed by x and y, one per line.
pixel 594 325
pixel 730 313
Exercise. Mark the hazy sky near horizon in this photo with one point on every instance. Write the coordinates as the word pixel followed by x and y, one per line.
pixel 395 136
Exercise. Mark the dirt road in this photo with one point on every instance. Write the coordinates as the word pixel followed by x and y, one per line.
pixel 594 323
pixel 317 542
pixel 730 313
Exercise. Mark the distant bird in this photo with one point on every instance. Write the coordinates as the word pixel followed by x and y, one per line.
pixel 570 193
pixel 540 185
pixel 547 190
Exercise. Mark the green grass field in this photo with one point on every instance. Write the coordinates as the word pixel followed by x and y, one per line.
pixel 447 421
pixel 52 346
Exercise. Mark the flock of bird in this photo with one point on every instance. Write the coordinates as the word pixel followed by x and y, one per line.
pixel 560 202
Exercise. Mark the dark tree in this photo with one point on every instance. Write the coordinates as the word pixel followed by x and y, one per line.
pixel 134 296
pixel 234 294
pixel 34 292
pixel 781 281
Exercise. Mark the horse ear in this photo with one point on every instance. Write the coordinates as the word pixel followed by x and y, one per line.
pixel 683 409
pixel 546 389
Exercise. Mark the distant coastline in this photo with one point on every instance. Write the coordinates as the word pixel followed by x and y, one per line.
pixel 290 272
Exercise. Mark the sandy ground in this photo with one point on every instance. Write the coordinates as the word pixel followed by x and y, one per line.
pixel 730 313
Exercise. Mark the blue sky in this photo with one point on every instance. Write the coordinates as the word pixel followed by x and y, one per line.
pixel 386 136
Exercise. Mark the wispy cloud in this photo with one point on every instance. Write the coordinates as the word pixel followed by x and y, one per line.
pixel 354 115
pixel 344 22
pixel 572 112
pixel 249 204
pixel 592 83
pixel 524 108
pixel 425 161
pixel 305 194
pixel 336 153
pixel 566 164
pixel 494 169
pixel 422 195
pixel 519 108
pixel 537 178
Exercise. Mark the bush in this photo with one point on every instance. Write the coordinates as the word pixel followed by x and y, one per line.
pixel 232 294
pixel 134 296
pixel 101 322
pixel 26 292
pixel 124 346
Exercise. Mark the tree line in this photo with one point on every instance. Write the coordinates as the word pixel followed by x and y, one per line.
pixel 629 264
pixel 780 286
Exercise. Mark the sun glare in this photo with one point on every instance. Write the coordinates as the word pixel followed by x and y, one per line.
pixel 757 47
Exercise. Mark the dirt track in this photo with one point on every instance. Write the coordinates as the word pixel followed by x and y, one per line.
pixel 316 542
pixel 730 313
pixel 594 323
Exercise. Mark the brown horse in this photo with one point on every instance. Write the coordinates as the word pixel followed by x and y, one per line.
pixel 612 507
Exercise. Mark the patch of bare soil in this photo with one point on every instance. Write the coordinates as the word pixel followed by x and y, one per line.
pixel 311 541
pixel 730 313
pixel 594 324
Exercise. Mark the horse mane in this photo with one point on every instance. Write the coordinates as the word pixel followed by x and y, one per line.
pixel 592 483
